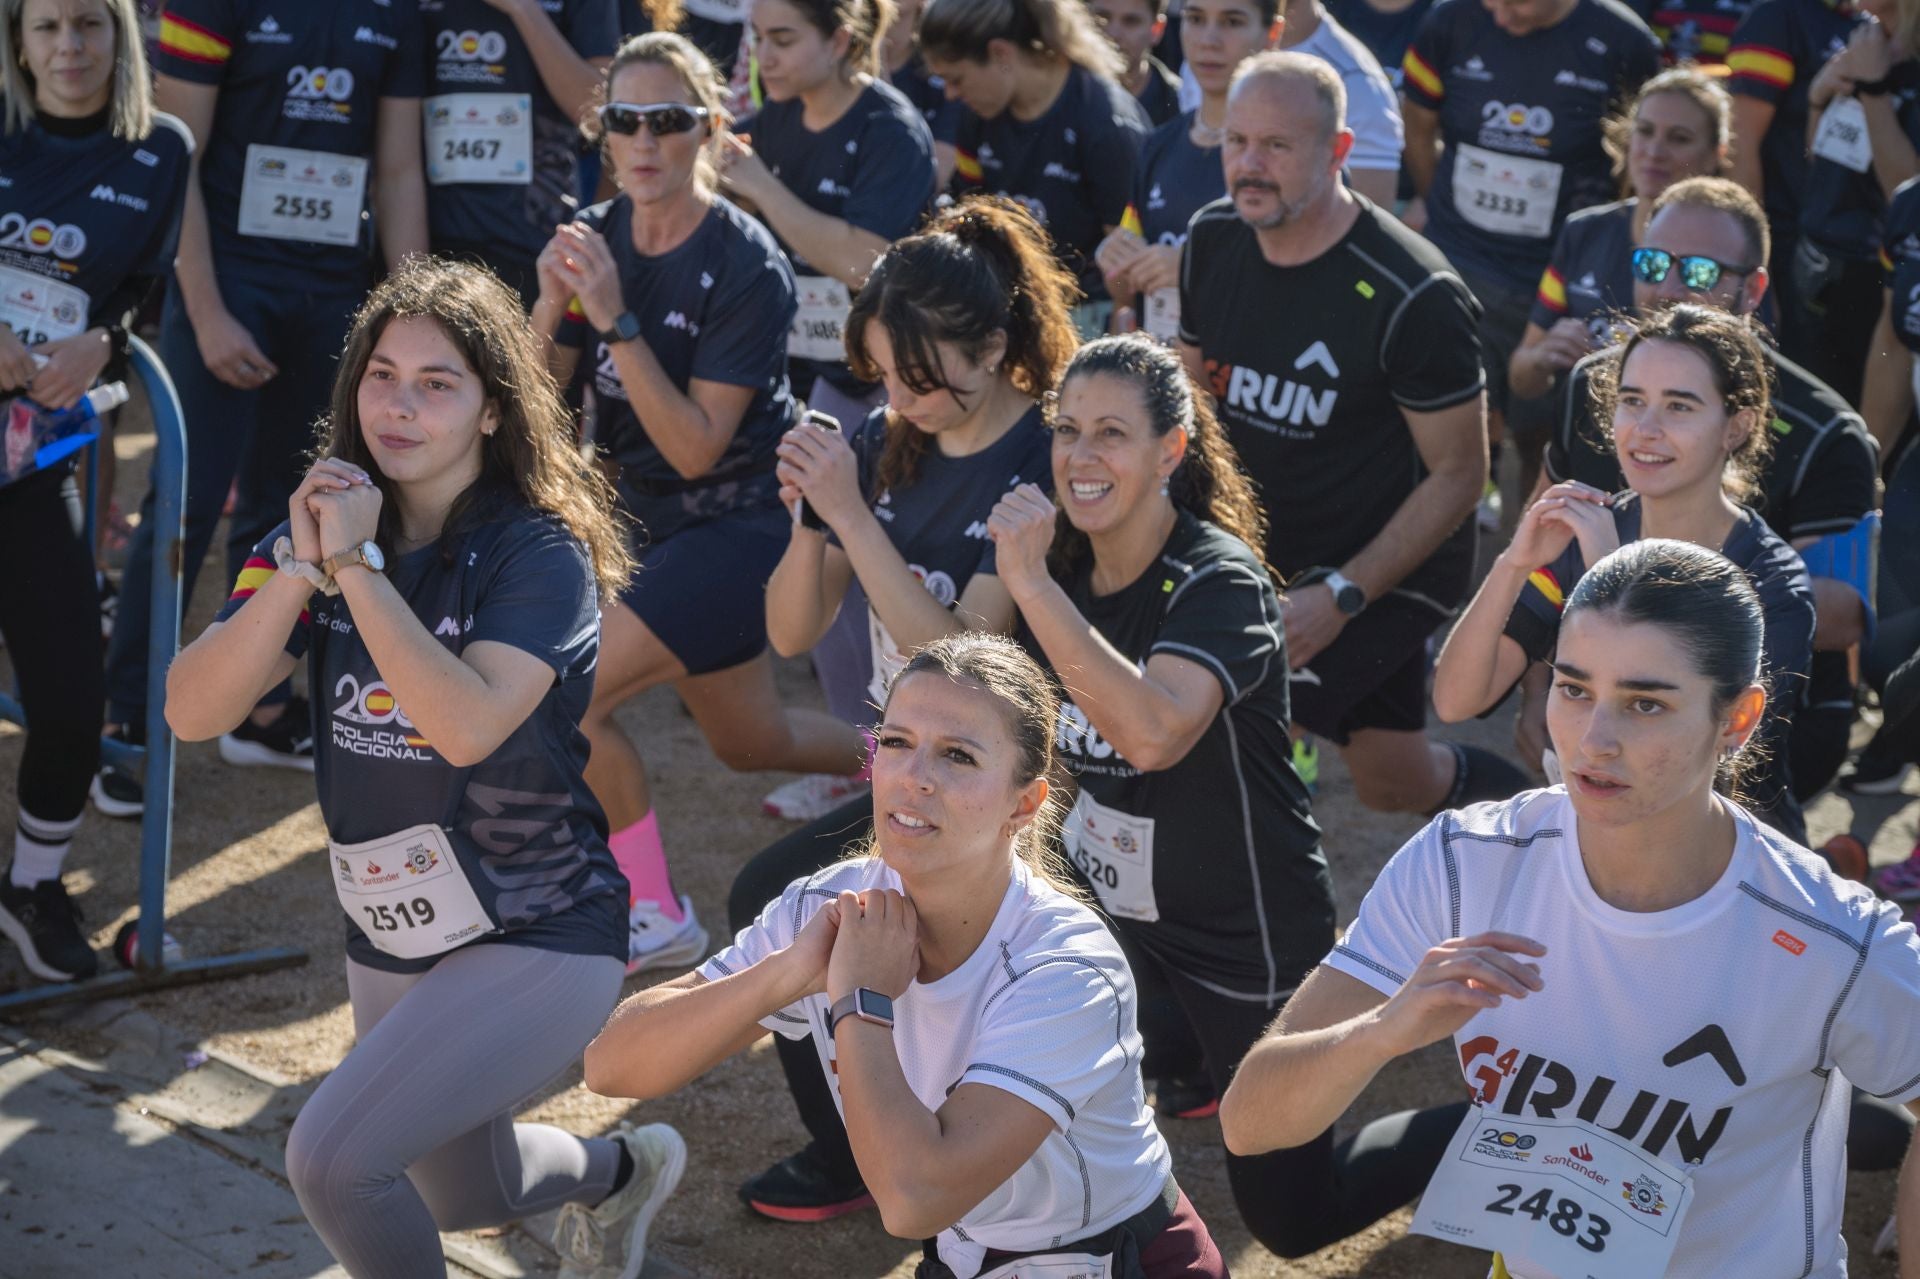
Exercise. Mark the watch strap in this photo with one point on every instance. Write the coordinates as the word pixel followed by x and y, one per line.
pixel 310 573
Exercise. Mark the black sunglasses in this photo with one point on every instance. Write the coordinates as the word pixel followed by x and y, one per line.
pixel 661 118
pixel 1699 274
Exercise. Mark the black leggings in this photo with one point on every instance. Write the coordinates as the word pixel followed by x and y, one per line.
pixel 1293 1201
pixel 50 615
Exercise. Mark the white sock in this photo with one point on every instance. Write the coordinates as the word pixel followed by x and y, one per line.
pixel 39 847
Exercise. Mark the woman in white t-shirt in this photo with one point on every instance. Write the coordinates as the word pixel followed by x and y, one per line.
pixel 975 1018
pixel 1663 1085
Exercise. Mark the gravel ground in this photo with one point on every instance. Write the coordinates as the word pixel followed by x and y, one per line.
pixel 249 871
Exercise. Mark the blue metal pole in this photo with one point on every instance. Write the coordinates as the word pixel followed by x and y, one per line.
pixel 163 641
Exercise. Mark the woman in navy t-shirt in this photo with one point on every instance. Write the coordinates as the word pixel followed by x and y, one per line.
pixel 681 304
pixel 441 568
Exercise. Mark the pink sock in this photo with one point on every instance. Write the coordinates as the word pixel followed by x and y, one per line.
pixel 873 746
pixel 637 851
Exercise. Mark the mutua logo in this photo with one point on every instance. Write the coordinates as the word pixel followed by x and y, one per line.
pixel 102 191
pixel 367 35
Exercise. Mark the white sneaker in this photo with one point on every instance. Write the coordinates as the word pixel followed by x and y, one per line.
pixel 806 798
pixel 654 941
pixel 610 1241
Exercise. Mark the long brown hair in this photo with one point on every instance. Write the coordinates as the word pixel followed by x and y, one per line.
pixel 1208 482
pixel 978 268
pixel 532 455
pixel 953 30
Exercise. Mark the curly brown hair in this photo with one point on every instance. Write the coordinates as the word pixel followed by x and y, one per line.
pixel 532 457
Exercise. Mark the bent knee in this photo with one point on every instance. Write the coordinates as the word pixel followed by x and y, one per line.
pixel 328 1170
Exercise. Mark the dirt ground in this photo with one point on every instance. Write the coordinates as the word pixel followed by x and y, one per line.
pixel 248 871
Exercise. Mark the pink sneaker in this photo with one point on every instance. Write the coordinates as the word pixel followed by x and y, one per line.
pixel 1901 881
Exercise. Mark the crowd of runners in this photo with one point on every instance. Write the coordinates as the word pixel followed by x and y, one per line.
pixel 1120 408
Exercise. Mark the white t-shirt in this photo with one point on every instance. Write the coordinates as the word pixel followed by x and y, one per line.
pixel 1373 108
pixel 1044 1009
pixel 1720 1035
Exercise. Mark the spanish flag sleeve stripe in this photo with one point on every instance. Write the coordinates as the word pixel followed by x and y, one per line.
pixel 1543 580
pixel 1553 291
pixel 576 314
pixel 1757 62
pixel 1423 75
pixel 967 166
pixel 1886 263
pixel 1130 221
pixel 184 39
pixel 254 574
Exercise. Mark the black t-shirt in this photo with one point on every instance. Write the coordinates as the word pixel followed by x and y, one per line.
pixel 1160 95
pixel 1778 48
pixel 1786 604
pixel 716 307
pixel 1698 31
pixel 295 126
pixel 1841 210
pixel 1238 876
pixel 79 215
pixel 1072 168
pixel 1520 123
pixel 928 93
pixel 1591 274
pixel 1387 35
pixel 1313 396
pixel 503 161
pixel 872 168
pixel 527 833
pixel 1900 256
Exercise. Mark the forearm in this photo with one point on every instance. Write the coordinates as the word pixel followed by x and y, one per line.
pixel 895 1139
pixel 400 212
pixel 1468 677
pixel 1378 185
pixel 1894 159
pixel 193 258
pixel 217 679
pixel 1840 617
pixel 1427 517
pixel 1292 1086
pixel 828 244
pixel 1422 156
pixel 909 611
pixel 798 610
pixel 665 1037
pixel 1886 395
pixel 570 79
pixel 678 427
pixel 1528 376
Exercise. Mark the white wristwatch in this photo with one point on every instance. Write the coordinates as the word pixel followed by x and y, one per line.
pixel 310 573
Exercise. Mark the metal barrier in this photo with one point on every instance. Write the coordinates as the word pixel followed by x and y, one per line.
pixel 150 969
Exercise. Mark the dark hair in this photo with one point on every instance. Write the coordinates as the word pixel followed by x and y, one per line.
pixel 531 456
pixel 1687 81
pixel 1208 482
pixel 980 267
pixel 866 22
pixel 1741 374
pixel 1001 668
pixel 1723 195
pixel 1699 597
pixel 957 30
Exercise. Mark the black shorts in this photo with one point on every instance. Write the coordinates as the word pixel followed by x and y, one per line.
pixel 703 591
pixel 1373 676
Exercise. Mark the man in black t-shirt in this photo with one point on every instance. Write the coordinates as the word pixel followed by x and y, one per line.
pixel 1818 484
pixel 1344 355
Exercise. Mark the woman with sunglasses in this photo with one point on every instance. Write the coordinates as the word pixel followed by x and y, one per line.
pixel 1687 399
pixel 1676 128
pixel 1051 125
pixel 682 304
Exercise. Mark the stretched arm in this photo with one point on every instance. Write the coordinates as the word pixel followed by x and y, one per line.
pixel 570 79
pixel 805 592
pixel 1543 355
pixel 1381 186
pixel 1752 117
pixel 218 679
pixel 667 1036
pixel 400 184
pixel 1886 395
pixel 1894 158
pixel 1453 445
pixel 1422 156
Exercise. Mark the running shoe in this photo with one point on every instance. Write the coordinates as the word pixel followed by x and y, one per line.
pixel 45 924
pixel 1873 773
pixel 800 1188
pixel 813 796
pixel 609 1241
pixel 118 792
pixel 654 941
pixel 1185 1098
pixel 285 743
pixel 1900 882
pixel 1306 762
pixel 1847 856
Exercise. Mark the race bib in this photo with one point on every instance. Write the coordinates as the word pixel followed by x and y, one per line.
pixel 315 196
pixel 408 894
pixel 1505 194
pixel 1114 850
pixel 888 660
pixel 1842 135
pixel 38 309
pixel 1064 1265
pixel 1556 1197
pixel 819 326
pixel 1162 316
pixel 724 11
pixel 480 137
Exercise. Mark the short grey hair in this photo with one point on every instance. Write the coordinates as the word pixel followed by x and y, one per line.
pixel 1280 66
pixel 130 102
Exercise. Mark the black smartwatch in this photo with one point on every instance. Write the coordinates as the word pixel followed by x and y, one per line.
pixel 867 1005
pixel 1347 595
pixel 626 327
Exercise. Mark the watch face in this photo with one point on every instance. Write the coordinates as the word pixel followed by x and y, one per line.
pixel 1350 599
pixel 871 1003
pixel 627 327
pixel 375 559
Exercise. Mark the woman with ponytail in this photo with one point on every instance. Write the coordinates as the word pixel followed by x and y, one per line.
pixel 1052 127
pixel 966 325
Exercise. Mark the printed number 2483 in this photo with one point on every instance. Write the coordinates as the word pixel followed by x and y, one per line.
pixel 1563 1216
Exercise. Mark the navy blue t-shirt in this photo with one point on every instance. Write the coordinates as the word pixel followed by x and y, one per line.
pixel 872 168
pixel 1073 168
pixel 1698 31
pixel 1590 276
pixel 1521 118
pixel 303 82
pixel 1159 97
pixel 1177 179
pixel 1387 35
pixel 1778 49
pixel 717 308
pixel 928 93
pixel 79 215
pixel 1900 256
pixel 503 161
pixel 525 829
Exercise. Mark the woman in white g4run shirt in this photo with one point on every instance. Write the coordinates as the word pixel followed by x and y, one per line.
pixel 1663 1084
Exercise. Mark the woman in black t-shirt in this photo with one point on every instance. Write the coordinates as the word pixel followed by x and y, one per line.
pixel 442 567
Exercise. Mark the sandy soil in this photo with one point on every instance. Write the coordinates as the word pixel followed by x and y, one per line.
pixel 249 871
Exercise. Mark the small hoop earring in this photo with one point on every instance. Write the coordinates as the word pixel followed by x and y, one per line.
pixel 1166 486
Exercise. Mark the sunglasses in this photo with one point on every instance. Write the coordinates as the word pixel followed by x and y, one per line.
pixel 661 118
pixel 1699 274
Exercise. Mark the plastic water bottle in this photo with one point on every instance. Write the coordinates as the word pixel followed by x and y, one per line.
pixel 36 437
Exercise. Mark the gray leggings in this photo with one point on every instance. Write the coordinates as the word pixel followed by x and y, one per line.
pixel 413 1133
